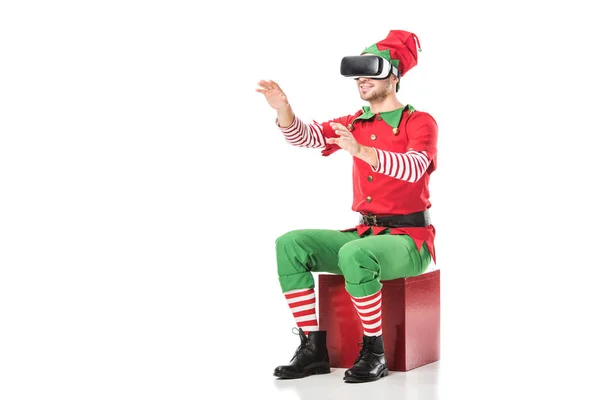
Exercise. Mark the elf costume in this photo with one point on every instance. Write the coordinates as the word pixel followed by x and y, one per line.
pixel 394 237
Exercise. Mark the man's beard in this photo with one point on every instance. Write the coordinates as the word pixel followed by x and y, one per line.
pixel 375 96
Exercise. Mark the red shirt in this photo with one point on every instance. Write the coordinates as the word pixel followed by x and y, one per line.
pixel 388 190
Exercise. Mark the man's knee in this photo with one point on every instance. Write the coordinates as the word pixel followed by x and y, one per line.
pixel 353 256
pixel 290 239
pixel 291 255
pixel 292 248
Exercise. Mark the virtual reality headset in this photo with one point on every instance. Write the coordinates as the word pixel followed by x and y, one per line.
pixel 367 66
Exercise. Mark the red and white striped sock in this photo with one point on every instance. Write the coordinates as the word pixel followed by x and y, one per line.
pixel 303 303
pixel 369 311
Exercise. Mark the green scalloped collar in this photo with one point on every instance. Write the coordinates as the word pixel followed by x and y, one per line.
pixel 392 118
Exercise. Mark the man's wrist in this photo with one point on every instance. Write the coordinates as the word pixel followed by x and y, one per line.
pixel 368 155
pixel 285 116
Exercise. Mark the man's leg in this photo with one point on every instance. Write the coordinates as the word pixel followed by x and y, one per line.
pixel 365 263
pixel 299 254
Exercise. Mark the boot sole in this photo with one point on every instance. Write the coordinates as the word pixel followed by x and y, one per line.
pixel 316 370
pixel 354 379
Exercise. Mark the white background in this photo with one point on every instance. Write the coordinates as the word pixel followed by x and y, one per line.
pixel 143 184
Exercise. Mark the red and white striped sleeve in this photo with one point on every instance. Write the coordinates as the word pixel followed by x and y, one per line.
pixel 302 134
pixel 409 166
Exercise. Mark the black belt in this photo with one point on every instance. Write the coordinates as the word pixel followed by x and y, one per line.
pixel 418 219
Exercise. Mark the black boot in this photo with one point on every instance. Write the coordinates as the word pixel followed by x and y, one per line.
pixel 311 357
pixel 370 364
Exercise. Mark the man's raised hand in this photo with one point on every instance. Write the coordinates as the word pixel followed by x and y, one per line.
pixel 273 94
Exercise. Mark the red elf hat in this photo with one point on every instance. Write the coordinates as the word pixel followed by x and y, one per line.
pixel 399 48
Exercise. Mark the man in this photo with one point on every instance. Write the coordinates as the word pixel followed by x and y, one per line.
pixel 394 149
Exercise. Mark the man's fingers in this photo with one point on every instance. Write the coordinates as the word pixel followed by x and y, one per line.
pixel 340 128
pixel 272 85
pixel 270 88
pixel 332 140
pixel 275 85
pixel 265 84
pixel 343 132
pixel 266 92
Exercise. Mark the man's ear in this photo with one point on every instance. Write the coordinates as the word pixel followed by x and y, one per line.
pixel 397 83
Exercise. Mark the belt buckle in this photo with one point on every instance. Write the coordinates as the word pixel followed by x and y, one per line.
pixel 370 219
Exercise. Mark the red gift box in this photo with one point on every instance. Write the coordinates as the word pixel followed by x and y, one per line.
pixel 410 318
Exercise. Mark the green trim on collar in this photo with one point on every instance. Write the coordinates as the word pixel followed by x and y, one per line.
pixel 392 118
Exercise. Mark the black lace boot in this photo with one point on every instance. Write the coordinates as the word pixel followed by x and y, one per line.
pixel 370 364
pixel 310 358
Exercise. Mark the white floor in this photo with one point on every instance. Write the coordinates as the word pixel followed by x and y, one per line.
pixel 421 383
